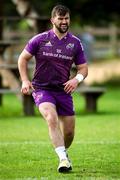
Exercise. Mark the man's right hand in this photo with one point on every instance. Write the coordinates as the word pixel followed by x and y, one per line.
pixel 26 86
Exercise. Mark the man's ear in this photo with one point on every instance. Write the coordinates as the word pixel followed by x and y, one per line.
pixel 52 20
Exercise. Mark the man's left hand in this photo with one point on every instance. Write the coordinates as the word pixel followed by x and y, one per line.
pixel 71 85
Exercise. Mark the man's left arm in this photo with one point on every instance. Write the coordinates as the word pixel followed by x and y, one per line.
pixel 72 84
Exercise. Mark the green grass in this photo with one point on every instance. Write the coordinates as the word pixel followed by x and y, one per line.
pixel 26 152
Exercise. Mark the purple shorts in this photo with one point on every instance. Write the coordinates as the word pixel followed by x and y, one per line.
pixel 62 101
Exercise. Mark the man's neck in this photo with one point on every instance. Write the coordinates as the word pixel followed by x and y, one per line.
pixel 58 34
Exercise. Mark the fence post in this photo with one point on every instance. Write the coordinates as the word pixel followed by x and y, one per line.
pixel 0 88
pixel 113 39
pixel 28 105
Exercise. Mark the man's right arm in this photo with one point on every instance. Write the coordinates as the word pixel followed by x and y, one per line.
pixel 22 66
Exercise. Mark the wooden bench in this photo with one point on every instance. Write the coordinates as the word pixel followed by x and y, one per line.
pixel 91 95
pixel 27 100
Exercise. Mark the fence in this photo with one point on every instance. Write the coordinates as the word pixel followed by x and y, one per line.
pixel 106 39
pixel 110 38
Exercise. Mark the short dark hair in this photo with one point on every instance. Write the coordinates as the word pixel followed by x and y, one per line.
pixel 60 10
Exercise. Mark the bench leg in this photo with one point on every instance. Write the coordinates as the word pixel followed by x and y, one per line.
pixel 28 105
pixel 0 99
pixel 91 103
pixel 0 88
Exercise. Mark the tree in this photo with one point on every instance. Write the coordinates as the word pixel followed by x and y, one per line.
pixel 25 9
pixel 96 12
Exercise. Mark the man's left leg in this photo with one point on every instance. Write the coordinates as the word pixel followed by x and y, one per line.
pixel 66 119
pixel 67 124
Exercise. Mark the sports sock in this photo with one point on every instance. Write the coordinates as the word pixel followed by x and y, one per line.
pixel 61 152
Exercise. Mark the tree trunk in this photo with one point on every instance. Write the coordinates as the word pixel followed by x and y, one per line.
pixel 1 20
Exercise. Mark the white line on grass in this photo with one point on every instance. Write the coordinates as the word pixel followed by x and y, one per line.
pixel 101 142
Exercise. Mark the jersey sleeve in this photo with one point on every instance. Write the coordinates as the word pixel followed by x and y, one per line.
pixel 32 46
pixel 79 57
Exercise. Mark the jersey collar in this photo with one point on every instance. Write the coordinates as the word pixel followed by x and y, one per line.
pixel 53 36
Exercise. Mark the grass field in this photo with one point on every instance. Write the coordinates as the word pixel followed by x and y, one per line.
pixel 26 152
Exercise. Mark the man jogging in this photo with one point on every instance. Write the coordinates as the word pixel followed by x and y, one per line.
pixel 55 51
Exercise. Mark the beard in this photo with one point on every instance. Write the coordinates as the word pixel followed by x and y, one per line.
pixel 61 28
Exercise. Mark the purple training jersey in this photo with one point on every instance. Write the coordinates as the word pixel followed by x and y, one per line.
pixel 54 59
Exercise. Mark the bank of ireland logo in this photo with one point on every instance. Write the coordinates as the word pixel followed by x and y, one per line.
pixel 70 46
pixel 59 51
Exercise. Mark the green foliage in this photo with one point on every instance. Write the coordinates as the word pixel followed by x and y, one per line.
pixel 94 12
pixel 23 25
pixel 9 9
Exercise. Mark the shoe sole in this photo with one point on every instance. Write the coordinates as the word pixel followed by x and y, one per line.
pixel 64 169
pixel 70 168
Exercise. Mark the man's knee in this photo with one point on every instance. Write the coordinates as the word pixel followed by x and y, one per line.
pixel 50 116
pixel 51 120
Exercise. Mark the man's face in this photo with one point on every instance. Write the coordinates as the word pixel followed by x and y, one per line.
pixel 61 23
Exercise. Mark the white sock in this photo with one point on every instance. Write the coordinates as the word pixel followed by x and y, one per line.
pixel 61 152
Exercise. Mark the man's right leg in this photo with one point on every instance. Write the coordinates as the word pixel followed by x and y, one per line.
pixel 48 111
